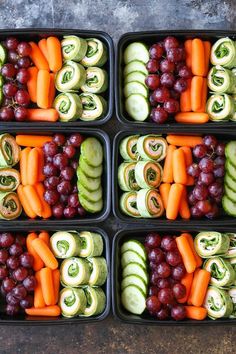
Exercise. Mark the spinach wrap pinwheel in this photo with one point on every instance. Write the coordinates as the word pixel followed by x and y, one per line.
pixel 210 243
pixel 152 147
pixel 148 174
pixel 233 264
pixel 218 303
pixel 65 244
pixel 94 106
pixel 96 80
pixel 222 272
pixel 96 301
pixel 221 80
pixel 96 54
pixel 91 244
pixel 10 207
pixel 99 271
pixel 70 77
pixel 220 107
pixel 231 252
pixel 232 294
pixel 149 203
pixel 9 179
pixel 223 52
pixel 126 177
pixel 128 204
pixel 9 151
pixel 128 148
pixel 69 106
pixel 72 301
pixel 75 272
pixel 73 48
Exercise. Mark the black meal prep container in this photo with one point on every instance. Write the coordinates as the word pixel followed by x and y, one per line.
pixel 35 34
pixel 23 319
pixel 222 135
pixel 139 233
pixel 106 177
pixel 149 38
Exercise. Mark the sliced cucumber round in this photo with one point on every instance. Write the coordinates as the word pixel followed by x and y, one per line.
pixel 137 106
pixel 230 152
pixel 135 87
pixel 92 151
pixel 230 193
pixel 230 182
pixel 88 170
pixel 136 246
pixel 136 51
pixel 136 76
pixel 91 207
pixel 3 55
pixel 134 268
pixel 231 170
pixel 93 196
pixel 91 184
pixel 229 206
pixel 133 299
pixel 131 256
pixel 135 65
pixel 134 280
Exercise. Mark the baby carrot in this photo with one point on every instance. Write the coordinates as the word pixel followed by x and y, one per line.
pixel 42 115
pixel 56 284
pixel 43 84
pixel 196 92
pixel 174 199
pixel 164 192
pixel 196 312
pixel 186 253
pixel 188 52
pixel 54 53
pixel 184 210
pixel 33 199
pixel 45 253
pixel 188 161
pixel 192 117
pixel 38 294
pixel 38 58
pixel 32 83
pixel 184 140
pixel 38 263
pixel 32 166
pixel 32 140
pixel 52 90
pixel 41 176
pixel 187 282
pixel 189 302
pixel 202 109
pixel 207 52
pixel 45 237
pixel 49 311
pixel 24 202
pixel 43 47
pixel 46 209
pixel 167 176
pixel 179 167
pixel 198 57
pixel 199 290
pixel 24 155
pixel 191 243
pixel 47 285
pixel 185 98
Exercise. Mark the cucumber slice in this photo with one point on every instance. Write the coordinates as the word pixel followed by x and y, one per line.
pixel 1 81
pixel 135 76
pixel 1 96
pixel 136 246
pixel 230 152
pixel 230 193
pixel 92 151
pixel 135 65
pixel 94 196
pixel 137 106
pixel 229 206
pixel 91 207
pixel 131 256
pixel 231 170
pixel 91 184
pixel 133 299
pixel 135 87
pixel 136 51
pixel 88 170
pixel 230 182
pixel 135 269
pixel 3 55
pixel 134 280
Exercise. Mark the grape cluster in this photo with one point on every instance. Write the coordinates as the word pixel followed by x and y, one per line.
pixel 167 270
pixel 16 273
pixel 167 78
pixel 208 172
pixel 61 160
pixel 15 73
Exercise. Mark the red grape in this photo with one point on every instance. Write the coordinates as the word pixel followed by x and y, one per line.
pixel 206 178
pixel 185 72
pixel 24 49
pixel 64 198
pixel 171 106
pixel 178 312
pixel 180 85
pixel 219 161
pixel 220 149
pixel 3 272
pixel 19 292
pixel 60 160
pixel 69 212
pixel 163 283
pixel 74 164
pixel 12 310
pixel 11 43
pixel 206 164
pixel 51 182
pixel 51 197
pixel 8 71
pixel 214 213
pixel 174 55
pixel 13 56
pixel 179 291
pixel 173 258
pixel 8 284
pixel 50 170
pixel 195 212
pixel 215 189
pixel 3 256
pixel 156 255
pixel 210 141
pixel 161 94
pixel 200 192
pixel 59 139
pixel 64 187
pixel 154 277
pixel 9 89
pixel 27 302
pixel 73 200
pixel 167 80
pixel 22 76
pixel 153 240
pixel 193 170
pixel 153 304
pixel 22 97
pixel 163 270
pixel 191 198
pixel 163 314
pixel 168 243
pixel 57 211
pixel 200 151
pixel 178 272
pixel 166 296
pixel 26 260
pixel 156 51
pixel 167 66
pixel 153 290
pixel 11 299
pixel 15 249
pixel 81 211
pixel 6 239
pixel 76 139
pixel 219 171
pixel 170 42
pixel 69 150
pixel 21 114
pixel 29 283
pixel 152 66
pixel 20 274
pixel 23 62
pixel 67 173
pixel 159 115
pixel 6 114
pixel 50 148
pixel 152 81
pixel 13 262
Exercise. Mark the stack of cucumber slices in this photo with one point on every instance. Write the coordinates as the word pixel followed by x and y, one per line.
pixel 134 276
pixel 229 199
pixel 136 56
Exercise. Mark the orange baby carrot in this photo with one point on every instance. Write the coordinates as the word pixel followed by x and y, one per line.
pixel 184 210
pixel 47 285
pixel 56 284
pixel 45 253
pixel 45 237
pixel 174 199
pixel 186 253
pixel 43 47
pixel 49 311
pixel 191 243
pixel 54 53
pixel 191 117
pixel 193 285
pixel 202 109
pixel 196 92
pixel 164 192
pixel 167 176
pixel 38 58
pixel 38 263
pixel 24 202
pixel 38 294
pixel 184 140
pixel 187 282
pixel 207 53
pixel 185 98
pixel 195 312
pixel 52 90
pixel 188 161
pixel 179 167
pixel 32 140
pixel 41 176
pixel 42 115
pixel 32 166
pixel 198 57
pixel 198 292
pixel 24 155
pixel 46 209
pixel 43 84
pixel 32 83
pixel 33 199
pixel 188 52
